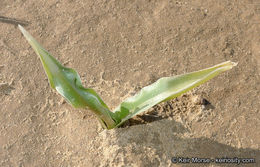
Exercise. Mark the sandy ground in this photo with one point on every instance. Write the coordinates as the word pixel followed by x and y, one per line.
pixel 118 47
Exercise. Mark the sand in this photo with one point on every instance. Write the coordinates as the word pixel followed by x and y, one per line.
pixel 118 47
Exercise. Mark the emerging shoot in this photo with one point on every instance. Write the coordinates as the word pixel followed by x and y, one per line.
pixel 67 82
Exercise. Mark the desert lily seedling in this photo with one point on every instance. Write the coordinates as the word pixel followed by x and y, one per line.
pixel 67 82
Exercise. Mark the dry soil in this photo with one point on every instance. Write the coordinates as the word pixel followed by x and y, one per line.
pixel 117 47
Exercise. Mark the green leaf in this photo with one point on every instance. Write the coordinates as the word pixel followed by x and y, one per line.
pixel 165 89
pixel 67 82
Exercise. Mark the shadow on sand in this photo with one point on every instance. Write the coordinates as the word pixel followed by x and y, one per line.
pixel 13 21
pixel 168 139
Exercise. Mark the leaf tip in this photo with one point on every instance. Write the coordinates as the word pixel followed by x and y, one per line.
pixel 25 34
pixel 227 65
pixel 231 64
pixel 234 63
pixel 21 29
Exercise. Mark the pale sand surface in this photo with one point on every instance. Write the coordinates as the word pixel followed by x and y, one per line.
pixel 118 47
